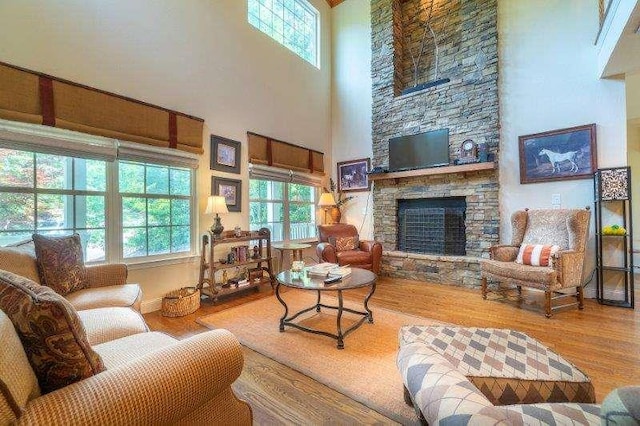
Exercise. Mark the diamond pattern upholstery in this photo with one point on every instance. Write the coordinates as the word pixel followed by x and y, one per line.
pixel 456 375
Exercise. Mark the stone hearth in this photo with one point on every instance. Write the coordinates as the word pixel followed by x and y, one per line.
pixel 468 106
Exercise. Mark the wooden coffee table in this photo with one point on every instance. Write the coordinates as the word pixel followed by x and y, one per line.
pixel 301 280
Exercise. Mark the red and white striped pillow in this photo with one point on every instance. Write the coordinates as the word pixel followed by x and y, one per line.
pixel 537 254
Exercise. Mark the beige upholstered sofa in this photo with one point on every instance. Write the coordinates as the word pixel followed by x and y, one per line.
pixel 150 377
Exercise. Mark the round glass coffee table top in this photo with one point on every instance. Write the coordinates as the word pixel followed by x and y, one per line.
pixel 302 280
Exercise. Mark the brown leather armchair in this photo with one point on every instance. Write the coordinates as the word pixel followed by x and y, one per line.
pixel 366 256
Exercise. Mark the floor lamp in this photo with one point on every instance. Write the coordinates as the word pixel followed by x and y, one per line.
pixel 326 201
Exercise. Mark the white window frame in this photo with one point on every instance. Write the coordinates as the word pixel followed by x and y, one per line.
pixel 286 177
pixel 305 4
pixel 70 218
pixel 49 140
pixel 117 197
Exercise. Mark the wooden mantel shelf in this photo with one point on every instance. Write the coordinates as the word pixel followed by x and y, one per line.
pixel 463 168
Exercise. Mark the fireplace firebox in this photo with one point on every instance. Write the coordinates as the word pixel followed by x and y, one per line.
pixel 432 226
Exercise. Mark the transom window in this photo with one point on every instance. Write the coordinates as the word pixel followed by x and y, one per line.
pixel 57 195
pixel 287 209
pixel 292 23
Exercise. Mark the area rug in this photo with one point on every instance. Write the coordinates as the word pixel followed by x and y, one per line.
pixel 365 370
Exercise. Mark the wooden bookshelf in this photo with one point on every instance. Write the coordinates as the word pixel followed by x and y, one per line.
pixel 209 266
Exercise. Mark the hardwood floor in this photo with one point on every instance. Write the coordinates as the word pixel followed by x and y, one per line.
pixel 602 341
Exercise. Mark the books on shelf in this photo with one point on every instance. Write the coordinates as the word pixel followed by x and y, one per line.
pixel 327 269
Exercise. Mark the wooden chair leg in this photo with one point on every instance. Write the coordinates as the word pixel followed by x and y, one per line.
pixel 547 304
pixel 484 287
pixel 580 297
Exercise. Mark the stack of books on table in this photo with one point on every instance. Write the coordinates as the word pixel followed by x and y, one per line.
pixel 327 269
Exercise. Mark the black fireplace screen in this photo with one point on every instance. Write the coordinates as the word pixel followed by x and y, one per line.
pixel 432 226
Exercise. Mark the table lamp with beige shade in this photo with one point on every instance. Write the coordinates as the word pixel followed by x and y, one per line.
pixel 326 201
pixel 216 204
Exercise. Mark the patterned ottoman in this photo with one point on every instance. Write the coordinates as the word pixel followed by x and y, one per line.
pixel 507 366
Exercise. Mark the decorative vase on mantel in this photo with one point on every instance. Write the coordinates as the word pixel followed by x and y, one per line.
pixel 336 214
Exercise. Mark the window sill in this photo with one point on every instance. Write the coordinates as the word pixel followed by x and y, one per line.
pixel 154 263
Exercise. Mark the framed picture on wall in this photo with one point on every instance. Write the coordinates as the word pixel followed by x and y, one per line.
pixel 352 175
pixel 230 189
pixel 225 155
pixel 558 155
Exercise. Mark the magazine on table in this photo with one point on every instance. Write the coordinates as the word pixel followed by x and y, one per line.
pixel 327 269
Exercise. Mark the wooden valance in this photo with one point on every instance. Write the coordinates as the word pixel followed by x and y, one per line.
pixel 272 152
pixel 34 97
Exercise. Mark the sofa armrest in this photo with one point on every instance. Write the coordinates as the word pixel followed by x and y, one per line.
pixel 437 389
pixel 326 253
pixel 621 406
pixel 159 388
pixel 105 275
pixel 375 248
pixel 568 264
pixel 504 253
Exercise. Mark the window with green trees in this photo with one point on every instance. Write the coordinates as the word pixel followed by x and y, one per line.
pixel 57 195
pixel 287 209
pixel 292 23
pixel 52 195
pixel 156 209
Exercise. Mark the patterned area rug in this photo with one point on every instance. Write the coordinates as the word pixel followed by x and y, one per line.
pixel 365 370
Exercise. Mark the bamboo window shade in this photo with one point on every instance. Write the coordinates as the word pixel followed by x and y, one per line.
pixel 32 97
pixel 271 152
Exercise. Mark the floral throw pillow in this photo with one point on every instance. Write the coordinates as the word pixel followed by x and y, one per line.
pixel 344 243
pixel 60 262
pixel 53 337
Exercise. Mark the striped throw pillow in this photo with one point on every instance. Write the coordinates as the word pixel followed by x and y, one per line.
pixel 537 254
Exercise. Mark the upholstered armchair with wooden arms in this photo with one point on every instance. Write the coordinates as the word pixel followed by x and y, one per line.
pixel 567 229
pixel 340 244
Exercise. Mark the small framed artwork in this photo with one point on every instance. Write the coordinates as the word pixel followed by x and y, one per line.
pixel 352 175
pixel 225 155
pixel 230 189
pixel 558 155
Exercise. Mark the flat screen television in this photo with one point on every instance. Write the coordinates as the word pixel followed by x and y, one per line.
pixel 430 149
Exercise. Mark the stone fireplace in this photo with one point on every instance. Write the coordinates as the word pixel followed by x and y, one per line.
pixel 466 103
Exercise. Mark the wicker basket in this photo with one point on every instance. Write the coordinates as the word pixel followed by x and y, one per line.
pixel 179 303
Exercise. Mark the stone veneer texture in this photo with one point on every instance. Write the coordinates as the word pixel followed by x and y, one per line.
pixel 468 106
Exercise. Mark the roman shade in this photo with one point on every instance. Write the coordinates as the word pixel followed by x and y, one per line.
pixel 264 150
pixel 49 140
pixel 145 153
pixel 32 97
pixel 257 171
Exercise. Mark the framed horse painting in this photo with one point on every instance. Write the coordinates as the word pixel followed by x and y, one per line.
pixel 558 155
pixel 352 175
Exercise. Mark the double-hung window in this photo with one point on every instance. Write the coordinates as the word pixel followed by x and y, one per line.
pixel 155 204
pixel 53 195
pixel 128 202
pixel 292 23
pixel 286 207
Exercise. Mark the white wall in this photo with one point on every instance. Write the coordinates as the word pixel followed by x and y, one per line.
pixel 632 83
pixel 200 57
pixel 549 80
pixel 351 101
